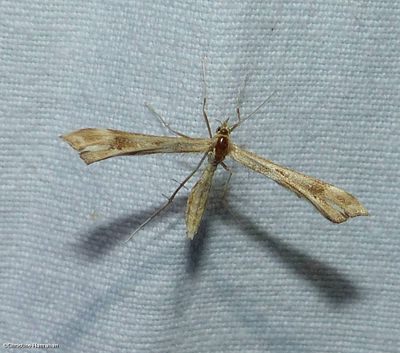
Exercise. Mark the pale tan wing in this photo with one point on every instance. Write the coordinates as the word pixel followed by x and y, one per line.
pixel 97 144
pixel 197 201
pixel 333 203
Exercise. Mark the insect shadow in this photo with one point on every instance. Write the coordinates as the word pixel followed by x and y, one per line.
pixel 195 247
pixel 331 283
pixel 103 238
pixel 335 286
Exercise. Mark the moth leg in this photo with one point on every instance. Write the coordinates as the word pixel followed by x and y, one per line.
pixel 165 124
pixel 205 116
pixel 225 189
pixel 178 182
pixel 238 113
pixel 239 97
pixel 169 201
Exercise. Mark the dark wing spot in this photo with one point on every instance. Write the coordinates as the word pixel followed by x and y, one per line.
pixel 281 173
pixel 120 143
pixel 317 188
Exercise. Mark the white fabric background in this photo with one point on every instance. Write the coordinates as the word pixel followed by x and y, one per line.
pixel 267 273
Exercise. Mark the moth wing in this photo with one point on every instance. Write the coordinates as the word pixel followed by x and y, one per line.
pixel 197 201
pixel 333 203
pixel 97 144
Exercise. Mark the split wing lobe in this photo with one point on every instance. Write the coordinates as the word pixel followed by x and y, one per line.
pixel 95 145
pixel 197 200
pixel 333 203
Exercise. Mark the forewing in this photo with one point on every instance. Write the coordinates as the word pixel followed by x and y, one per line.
pixel 97 144
pixel 197 201
pixel 333 203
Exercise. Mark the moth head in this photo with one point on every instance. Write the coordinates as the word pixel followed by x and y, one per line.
pixel 224 128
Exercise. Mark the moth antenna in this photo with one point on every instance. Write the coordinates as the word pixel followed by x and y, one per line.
pixel 241 91
pixel 205 99
pixel 253 112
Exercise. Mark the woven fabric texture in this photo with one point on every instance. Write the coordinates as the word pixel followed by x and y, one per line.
pixel 266 273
